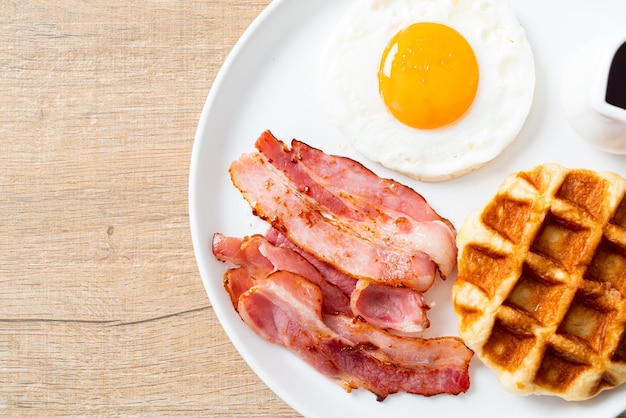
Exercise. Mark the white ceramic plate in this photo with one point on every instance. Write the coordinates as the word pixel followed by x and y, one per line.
pixel 269 82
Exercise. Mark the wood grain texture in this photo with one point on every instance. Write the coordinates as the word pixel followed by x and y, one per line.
pixel 102 310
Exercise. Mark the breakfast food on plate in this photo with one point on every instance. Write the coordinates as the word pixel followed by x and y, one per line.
pixel 339 275
pixel 432 89
pixel 399 309
pixel 372 228
pixel 287 308
pixel 258 258
pixel 541 288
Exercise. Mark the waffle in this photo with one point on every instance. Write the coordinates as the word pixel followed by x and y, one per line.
pixel 541 288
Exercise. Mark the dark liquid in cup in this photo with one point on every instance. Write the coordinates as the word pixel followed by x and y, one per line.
pixel 616 86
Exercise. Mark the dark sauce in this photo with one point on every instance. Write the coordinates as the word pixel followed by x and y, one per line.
pixel 616 86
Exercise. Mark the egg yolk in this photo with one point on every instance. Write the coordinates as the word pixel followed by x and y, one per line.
pixel 428 75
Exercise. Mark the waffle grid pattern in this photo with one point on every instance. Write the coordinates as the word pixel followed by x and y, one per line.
pixel 541 289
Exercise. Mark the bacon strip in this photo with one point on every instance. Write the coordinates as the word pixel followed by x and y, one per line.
pixel 345 176
pixel 258 258
pixel 371 204
pixel 362 254
pixel 286 309
pixel 400 309
pixel 441 352
pixel 344 282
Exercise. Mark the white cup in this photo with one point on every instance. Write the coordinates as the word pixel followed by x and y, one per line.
pixel 584 93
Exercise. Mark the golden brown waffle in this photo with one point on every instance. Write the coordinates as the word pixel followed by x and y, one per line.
pixel 541 288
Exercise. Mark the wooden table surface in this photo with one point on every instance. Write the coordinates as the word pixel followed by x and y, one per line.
pixel 102 309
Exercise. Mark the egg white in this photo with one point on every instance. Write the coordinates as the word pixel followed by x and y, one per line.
pixel 349 85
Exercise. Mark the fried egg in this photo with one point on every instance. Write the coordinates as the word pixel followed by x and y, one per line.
pixel 433 89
